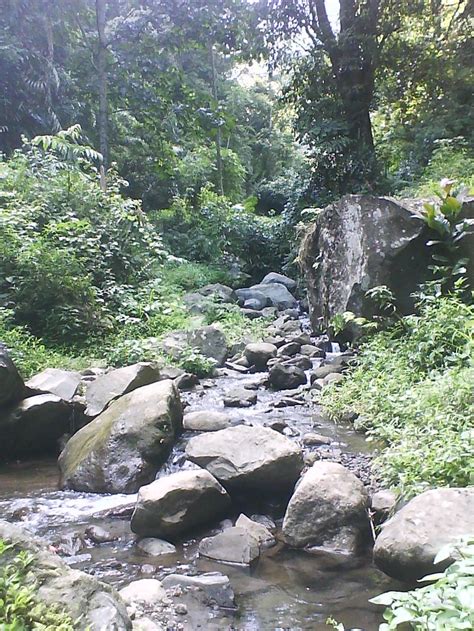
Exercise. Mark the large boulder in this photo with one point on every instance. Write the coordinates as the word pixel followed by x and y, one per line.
pixel 255 459
pixel 278 295
pixel 12 388
pixel 218 292
pixel 95 605
pixel 34 426
pixel 123 448
pixel 362 242
pixel 286 377
pixel 274 277
pixel 328 509
pixel 206 421
pixel 258 354
pixel 62 383
pixel 116 383
pixel 234 545
pixel 178 503
pixel 410 540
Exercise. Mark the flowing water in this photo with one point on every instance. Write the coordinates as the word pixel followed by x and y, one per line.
pixel 287 589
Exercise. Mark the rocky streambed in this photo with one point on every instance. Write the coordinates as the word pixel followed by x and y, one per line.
pixel 281 587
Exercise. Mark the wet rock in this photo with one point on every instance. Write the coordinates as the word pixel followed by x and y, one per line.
pixel 12 388
pixel 155 547
pixel 62 383
pixel 116 383
pixel 312 351
pixel 95 604
pixel 277 341
pixel 286 377
pixel 259 353
pixel 206 421
pixel 99 535
pixel 234 545
pixel 257 530
pixel 212 588
pixel 301 361
pixel 124 447
pixel 256 459
pixel 327 509
pixel 410 540
pixel 177 503
pixel 240 398
pixel 186 381
pixel 148 591
pixel 289 349
pixel 274 277
pixel 313 439
pixel 34 426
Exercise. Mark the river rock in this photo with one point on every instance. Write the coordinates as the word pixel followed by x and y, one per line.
pixel 155 547
pixel 258 531
pixel 213 587
pixel 124 447
pixel 211 342
pixel 274 277
pixel 328 509
pixel 34 426
pixel 312 351
pixel 256 459
pixel 286 377
pixel 12 388
pixel 289 350
pixel 278 295
pixel 62 383
pixel 206 421
pixel 147 591
pixel 177 503
pixel 94 604
pixel 410 540
pixel 240 398
pixel 258 353
pixel 358 243
pixel 233 545
pixel 116 383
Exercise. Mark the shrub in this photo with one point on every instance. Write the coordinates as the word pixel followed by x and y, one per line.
pixel 412 389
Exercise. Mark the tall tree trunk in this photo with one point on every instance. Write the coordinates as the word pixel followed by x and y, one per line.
pixel 220 176
pixel 103 118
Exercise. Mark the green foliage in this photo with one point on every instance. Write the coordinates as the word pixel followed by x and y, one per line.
pixel 446 604
pixel 196 363
pixel 20 609
pixel 412 390
pixel 66 247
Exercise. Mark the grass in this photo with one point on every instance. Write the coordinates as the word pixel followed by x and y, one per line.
pixel 412 390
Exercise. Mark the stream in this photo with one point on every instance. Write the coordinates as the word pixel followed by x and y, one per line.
pixel 285 590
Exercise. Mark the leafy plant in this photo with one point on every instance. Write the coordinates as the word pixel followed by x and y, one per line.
pixel 444 605
pixel 20 609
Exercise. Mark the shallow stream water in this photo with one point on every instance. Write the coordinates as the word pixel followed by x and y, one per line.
pixel 286 590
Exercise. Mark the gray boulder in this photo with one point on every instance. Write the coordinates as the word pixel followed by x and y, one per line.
pixel 233 545
pixel 62 383
pixel 213 587
pixel 94 604
pixel 287 377
pixel 12 388
pixel 277 294
pixel 258 353
pixel 34 426
pixel 155 547
pixel 211 342
pixel 256 459
pixel 248 294
pixel 124 447
pixel 240 398
pixel 274 277
pixel 361 242
pixel 116 383
pixel 178 503
pixel 258 531
pixel 410 540
pixel 328 509
pixel 206 421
